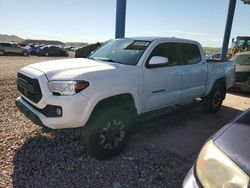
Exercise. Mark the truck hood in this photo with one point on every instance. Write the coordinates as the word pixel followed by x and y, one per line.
pixel 73 69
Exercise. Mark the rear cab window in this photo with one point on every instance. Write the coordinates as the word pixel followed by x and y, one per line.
pixel 190 53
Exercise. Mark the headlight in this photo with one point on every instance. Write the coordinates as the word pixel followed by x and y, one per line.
pixel 67 87
pixel 216 170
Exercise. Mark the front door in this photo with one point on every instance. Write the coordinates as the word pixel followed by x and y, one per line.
pixel 16 49
pixel 162 84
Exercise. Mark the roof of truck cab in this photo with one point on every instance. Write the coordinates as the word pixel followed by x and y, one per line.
pixel 150 39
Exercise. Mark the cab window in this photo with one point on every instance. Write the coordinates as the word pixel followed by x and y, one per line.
pixel 166 50
pixel 190 53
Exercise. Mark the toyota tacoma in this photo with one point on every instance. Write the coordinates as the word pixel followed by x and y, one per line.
pixel 122 80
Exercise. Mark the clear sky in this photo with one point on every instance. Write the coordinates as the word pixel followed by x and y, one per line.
pixel 94 20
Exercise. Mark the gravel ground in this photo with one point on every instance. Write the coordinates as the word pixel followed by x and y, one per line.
pixel 33 158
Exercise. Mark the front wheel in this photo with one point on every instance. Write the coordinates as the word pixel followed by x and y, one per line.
pixel 2 52
pixel 108 132
pixel 213 101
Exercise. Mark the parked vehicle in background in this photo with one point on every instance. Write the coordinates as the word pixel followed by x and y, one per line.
pixel 22 44
pixel 38 48
pixel 69 48
pixel 209 55
pixel 240 44
pixel 33 48
pixel 216 56
pixel 51 51
pixel 13 48
pixel 224 160
pixel 86 50
pixel 120 81
pixel 242 72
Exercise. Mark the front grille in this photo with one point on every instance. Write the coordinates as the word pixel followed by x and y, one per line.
pixel 29 87
pixel 242 76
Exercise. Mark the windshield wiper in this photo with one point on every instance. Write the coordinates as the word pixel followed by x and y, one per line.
pixel 108 60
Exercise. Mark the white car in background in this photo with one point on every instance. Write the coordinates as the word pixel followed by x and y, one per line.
pixel 242 72
pixel 13 48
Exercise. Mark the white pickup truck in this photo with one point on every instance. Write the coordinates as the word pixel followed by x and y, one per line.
pixel 123 79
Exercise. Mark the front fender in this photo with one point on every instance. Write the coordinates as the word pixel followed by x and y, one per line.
pixel 106 93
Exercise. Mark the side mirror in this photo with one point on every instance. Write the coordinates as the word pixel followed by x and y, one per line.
pixel 158 61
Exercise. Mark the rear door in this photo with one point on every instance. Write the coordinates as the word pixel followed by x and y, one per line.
pixel 54 50
pixel 162 85
pixel 194 71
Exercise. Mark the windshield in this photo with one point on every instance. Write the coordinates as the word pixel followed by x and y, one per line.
pixel 123 51
pixel 243 59
pixel 243 42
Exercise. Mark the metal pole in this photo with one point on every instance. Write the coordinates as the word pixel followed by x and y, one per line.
pixel 120 18
pixel 230 16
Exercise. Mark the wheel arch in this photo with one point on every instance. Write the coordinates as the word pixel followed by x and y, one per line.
pixel 26 52
pixel 221 81
pixel 126 100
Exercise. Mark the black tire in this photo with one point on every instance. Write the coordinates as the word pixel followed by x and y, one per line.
pixel 2 52
pixel 25 53
pixel 213 101
pixel 108 131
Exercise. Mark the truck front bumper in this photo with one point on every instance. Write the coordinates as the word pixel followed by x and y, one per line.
pixel 29 113
pixel 73 109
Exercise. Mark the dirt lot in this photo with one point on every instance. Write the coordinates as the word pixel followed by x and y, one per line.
pixel 159 154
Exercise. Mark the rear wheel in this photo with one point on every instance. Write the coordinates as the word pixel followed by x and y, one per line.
pixel 108 131
pixel 46 54
pixel 213 101
pixel 25 53
pixel 2 52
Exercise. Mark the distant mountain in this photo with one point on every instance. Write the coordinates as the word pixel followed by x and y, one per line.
pixel 10 38
pixel 76 44
pixel 16 39
pixel 47 42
